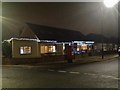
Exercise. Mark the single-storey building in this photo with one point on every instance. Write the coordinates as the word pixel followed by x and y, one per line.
pixel 35 41
pixel 31 48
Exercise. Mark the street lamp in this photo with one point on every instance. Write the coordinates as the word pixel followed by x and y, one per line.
pixel 108 4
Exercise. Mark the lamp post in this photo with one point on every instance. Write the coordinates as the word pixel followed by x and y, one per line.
pixel 108 4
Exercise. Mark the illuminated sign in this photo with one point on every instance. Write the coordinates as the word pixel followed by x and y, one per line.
pixel 89 42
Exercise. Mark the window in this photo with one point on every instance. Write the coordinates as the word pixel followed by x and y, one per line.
pixel 48 49
pixel 52 49
pixel 44 49
pixel 25 50
pixel 84 47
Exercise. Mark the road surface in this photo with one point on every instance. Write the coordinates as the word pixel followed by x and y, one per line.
pixel 92 75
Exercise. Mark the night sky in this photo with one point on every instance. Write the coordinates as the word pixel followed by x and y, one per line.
pixel 84 17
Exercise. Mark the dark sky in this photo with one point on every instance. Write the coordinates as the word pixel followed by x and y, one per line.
pixel 84 17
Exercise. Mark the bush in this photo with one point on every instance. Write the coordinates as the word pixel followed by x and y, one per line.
pixel 7 49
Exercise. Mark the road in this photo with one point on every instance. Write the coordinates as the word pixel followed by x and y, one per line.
pixel 93 75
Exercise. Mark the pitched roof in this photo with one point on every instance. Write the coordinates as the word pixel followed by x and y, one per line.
pixel 52 33
pixel 26 32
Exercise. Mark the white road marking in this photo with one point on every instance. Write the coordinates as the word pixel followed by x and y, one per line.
pixel 103 76
pixel 62 71
pixel 74 72
pixel 86 73
pixel 112 77
pixel 90 74
pixel 116 78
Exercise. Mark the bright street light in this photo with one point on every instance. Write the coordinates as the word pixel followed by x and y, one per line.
pixel 110 3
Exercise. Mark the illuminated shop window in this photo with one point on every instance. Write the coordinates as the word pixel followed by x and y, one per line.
pixel 84 47
pixel 52 49
pixel 78 49
pixel 63 46
pixel 25 50
pixel 44 49
pixel 48 49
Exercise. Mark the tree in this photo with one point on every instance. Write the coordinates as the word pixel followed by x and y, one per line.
pixel 7 49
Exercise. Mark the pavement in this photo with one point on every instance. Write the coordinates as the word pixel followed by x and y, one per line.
pixel 82 60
